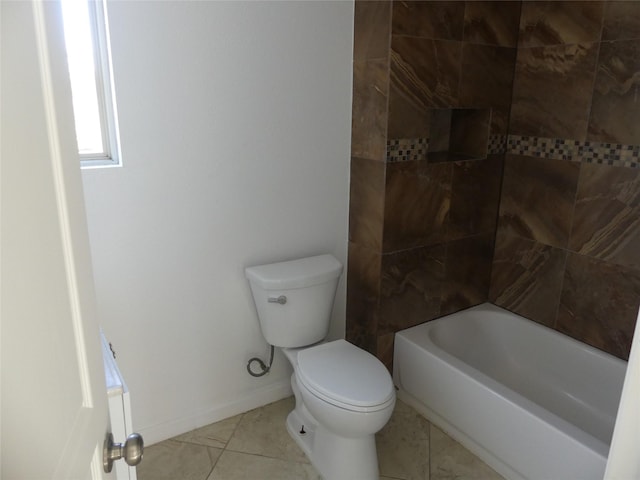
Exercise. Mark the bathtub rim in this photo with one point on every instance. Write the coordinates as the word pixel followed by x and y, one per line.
pixel 491 308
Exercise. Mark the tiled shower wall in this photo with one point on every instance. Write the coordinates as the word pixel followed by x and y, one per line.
pixel 422 234
pixel 567 249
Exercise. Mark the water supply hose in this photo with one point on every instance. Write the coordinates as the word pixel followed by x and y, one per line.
pixel 265 369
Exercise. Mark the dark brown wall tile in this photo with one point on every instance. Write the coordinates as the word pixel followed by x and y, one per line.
pixel 359 333
pixel 487 78
pixel 475 196
pixel 615 110
pixel 526 278
pixel 552 91
pixel 599 304
pixel 436 20
pixel 385 350
pixel 467 272
pixel 537 198
pixel 407 116
pixel 440 133
pixel 426 71
pixel 369 111
pixel 364 271
pixel 559 22
pixel 371 30
pixel 606 221
pixel 366 204
pixel 437 221
pixel 621 20
pixel 411 287
pixel 492 23
pixel 500 121
pixel 363 291
pixel 417 203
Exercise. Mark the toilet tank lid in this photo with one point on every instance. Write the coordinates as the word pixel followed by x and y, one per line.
pixel 299 273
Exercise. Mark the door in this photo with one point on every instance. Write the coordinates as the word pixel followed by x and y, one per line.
pixel 624 458
pixel 54 407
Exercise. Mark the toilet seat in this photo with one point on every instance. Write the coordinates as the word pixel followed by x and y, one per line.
pixel 345 376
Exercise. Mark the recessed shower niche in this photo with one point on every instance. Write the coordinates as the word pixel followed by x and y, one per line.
pixel 458 134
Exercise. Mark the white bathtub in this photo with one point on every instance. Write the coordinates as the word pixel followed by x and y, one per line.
pixel 532 403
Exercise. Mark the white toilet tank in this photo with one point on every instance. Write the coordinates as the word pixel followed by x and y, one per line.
pixel 294 299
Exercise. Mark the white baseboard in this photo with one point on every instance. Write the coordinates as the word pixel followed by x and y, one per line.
pixel 254 399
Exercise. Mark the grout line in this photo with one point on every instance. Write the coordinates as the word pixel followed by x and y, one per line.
pixel 214 463
pixel 235 429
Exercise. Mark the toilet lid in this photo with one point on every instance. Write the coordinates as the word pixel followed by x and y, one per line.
pixel 343 372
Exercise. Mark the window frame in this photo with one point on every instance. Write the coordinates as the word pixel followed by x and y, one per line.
pixel 101 46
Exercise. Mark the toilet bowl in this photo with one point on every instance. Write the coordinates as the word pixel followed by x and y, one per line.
pixel 344 395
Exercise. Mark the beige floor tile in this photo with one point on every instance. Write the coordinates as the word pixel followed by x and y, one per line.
pixel 263 431
pixel 244 466
pixel 170 460
pixel 403 445
pixel 214 435
pixel 258 446
pixel 450 460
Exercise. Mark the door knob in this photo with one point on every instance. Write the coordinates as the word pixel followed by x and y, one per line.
pixel 131 450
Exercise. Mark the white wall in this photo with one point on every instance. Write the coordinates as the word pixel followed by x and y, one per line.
pixel 235 124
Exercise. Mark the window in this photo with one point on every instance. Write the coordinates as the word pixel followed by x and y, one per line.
pixel 88 54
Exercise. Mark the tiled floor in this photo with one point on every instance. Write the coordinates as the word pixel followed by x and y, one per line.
pixel 256 445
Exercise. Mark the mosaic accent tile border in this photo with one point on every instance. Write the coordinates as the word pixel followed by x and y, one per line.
pixel 614 154
pixel 407 149
pixel 497 144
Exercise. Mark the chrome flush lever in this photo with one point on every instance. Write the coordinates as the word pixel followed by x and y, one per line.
pixel 281 300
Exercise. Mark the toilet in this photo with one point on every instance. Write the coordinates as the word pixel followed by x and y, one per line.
pixel 343 394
